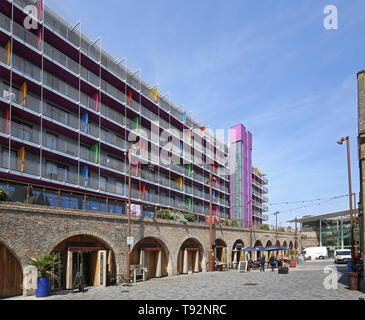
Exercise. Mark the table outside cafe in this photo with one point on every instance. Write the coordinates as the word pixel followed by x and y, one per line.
pixel 254 254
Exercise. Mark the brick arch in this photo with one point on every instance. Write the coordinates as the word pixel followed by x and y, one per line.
pixel 116 250
pixel 238 241
pixel 15 251
pixel 195 239
pixel 203 252
pixel 268 244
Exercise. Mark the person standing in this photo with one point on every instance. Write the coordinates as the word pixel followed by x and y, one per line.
pixel 272 263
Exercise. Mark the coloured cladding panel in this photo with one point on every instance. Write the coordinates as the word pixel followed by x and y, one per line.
pixel 21 157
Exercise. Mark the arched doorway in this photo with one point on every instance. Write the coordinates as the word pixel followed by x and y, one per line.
pixel 221 251
pixel 85 256
pixel 257 254
pixel 278 252
pixel 152 254
pixel 285 244
pixel 237 254
pixel 268 254
pixel 291 245
pixel 190 256
pixel 11 275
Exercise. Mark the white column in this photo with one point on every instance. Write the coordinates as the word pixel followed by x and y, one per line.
pixel 69 270
pixel 186 262
pixel 142 259
pixel 235 256
pixel 196 267
pixel 159 265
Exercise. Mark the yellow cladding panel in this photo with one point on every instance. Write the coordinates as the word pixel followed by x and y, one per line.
pixel 21 156
pixel 7 49
pixel 23 90
pixel 154 94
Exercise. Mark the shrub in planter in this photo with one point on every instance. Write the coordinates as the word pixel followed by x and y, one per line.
pixel 234 223
pixel 45 265
pixel 178 216
pixel 189 217
pixel 4 196
pixel 164 214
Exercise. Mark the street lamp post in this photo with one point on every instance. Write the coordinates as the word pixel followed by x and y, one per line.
pixel 355 223
pixel 249 219
pixel 341 141
pixel 276 214
pixel 128 153
pixel 210 254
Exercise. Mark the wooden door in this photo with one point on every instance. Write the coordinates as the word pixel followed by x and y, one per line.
pixel 11 276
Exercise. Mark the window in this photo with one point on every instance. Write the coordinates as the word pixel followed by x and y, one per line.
pixel 103 182
pixel 56 171
pixel 5 159
pixel 120 187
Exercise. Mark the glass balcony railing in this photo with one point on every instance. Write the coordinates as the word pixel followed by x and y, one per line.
pixel 26 36
pixel 5 22
pixel 63 145
pixel 26 166
pixel 25 133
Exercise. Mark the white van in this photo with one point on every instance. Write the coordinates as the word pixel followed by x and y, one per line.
pixel 342 255
pixel 313 253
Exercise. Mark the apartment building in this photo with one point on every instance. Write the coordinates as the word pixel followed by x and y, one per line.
pixel 70 111
pixel 259 197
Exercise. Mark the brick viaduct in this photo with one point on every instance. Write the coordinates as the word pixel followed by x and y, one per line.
pixel 28 231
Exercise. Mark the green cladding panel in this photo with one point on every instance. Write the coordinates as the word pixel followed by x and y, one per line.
pixel 188 202
pixel 136 122
pixel 188 168
pixel 95 152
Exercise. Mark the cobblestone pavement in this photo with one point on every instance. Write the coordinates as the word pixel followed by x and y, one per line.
pixel 306 282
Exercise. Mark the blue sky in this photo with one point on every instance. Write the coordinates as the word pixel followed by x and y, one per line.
pixel 270 65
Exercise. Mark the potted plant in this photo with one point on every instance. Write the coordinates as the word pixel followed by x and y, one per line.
pixel 291 258
pixel 45 266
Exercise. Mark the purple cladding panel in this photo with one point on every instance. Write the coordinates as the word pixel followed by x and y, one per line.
pixel 241 140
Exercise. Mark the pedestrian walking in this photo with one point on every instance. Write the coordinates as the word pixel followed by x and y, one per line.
pixel 272 263
pixel 262 262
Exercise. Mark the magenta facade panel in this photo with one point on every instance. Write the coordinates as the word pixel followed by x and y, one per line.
pixel 240 163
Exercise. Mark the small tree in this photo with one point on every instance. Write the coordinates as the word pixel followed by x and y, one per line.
pixel 44 264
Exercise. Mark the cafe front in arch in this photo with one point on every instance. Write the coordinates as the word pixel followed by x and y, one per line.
pixel 151 254
pixel 85 256
pixel 190 257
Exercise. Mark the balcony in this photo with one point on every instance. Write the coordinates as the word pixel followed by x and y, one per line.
pixel 63 145
pixel 26 37
pixel 25 166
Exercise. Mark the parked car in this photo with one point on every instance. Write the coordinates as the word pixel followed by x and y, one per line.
pixel 313 253
pixel 341 256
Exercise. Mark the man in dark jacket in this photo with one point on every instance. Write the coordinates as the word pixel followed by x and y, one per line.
pixel 272 263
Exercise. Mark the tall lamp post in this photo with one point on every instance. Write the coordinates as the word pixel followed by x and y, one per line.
pixel 210 254
pixel 128 153
pixel 276 214
pixel 341 141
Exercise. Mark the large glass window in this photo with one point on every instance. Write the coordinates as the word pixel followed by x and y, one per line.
pixel 237 181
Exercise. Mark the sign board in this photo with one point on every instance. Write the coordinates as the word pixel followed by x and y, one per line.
pixel 130 241
pixel 242 266
pixel 135 210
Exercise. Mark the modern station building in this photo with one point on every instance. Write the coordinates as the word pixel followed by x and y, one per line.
pixel 330 230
